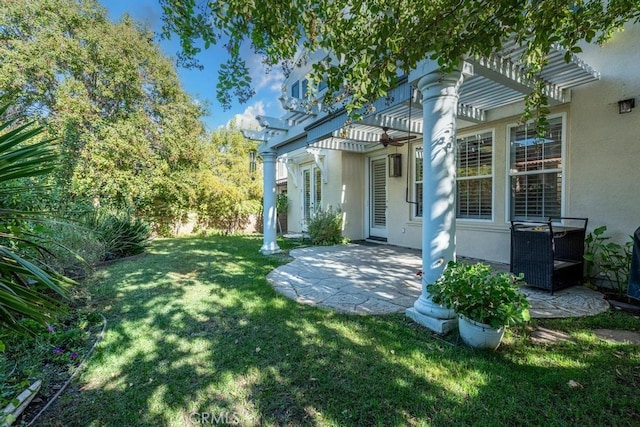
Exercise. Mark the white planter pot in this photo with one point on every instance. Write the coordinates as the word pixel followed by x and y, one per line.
pixel 479 335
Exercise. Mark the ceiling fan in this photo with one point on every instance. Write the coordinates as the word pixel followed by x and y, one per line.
pixel 386 140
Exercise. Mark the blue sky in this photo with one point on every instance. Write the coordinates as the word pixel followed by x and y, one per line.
pixel 201 85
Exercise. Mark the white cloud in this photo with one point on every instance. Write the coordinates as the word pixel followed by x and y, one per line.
pixel 247 119
pixel 263 77
pixel 268 86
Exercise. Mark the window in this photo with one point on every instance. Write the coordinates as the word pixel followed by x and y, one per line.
pixel 474 180
pixel 301 89
pixel 536 171
pixel 418 180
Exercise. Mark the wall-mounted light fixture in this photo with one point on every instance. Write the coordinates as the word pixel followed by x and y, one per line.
pixel 626 105
pixel 395 165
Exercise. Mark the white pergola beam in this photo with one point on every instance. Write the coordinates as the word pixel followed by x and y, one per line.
pixel 471 114
pixel 297 105
pixel 255 135
pixel 512 76
pixel 342 145
pixel 273 123
pixel 355 134
pixel 399 123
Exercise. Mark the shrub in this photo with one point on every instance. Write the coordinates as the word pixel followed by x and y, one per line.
pixel 72 249
pixel 325 227
pixel 282 203
pixel 122 234
pixel 479 294
pixel 223 205
pixel 608 260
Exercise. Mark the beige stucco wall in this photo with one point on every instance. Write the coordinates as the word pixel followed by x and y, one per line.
pixel 605 145
pixel 352 194
pixel 402 228
pixel 332 187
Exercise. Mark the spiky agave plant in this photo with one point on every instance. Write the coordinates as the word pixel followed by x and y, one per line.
pixel 28 287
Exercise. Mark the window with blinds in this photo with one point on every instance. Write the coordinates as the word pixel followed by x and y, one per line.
pixel 536 171
pixel 474 176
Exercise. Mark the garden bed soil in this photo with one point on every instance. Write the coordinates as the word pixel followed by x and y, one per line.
pixel 57 378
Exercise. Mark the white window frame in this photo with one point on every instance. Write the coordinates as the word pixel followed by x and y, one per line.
pixel 492 176
pixel 562 170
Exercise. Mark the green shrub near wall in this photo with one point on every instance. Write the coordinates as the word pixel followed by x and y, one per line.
pixel 325 227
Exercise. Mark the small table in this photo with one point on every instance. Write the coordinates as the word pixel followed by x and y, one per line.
pixel 550 257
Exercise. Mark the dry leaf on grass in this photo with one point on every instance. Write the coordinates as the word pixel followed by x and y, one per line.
pixel 574 384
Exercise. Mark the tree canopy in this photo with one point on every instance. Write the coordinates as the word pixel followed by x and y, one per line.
pixel 370 43
pixel 226 194
pixel 129 134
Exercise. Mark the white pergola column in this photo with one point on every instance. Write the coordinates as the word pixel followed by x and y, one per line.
pixel 439 104
pixel 269 244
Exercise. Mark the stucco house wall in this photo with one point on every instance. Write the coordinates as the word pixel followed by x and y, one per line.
pixel 352 194
pixel 605 145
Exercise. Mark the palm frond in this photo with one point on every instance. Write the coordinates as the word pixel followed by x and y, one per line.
pixel 28 288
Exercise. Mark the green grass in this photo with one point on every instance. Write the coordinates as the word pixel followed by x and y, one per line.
pixel 195 334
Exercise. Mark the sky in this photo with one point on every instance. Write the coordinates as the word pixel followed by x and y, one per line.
pixel 201 84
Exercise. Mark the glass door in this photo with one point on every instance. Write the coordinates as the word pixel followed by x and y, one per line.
pixel 311 191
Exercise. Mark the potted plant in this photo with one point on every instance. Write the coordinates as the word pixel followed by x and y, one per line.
pixel 486 302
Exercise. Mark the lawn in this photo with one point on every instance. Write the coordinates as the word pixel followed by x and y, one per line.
pixel 197 336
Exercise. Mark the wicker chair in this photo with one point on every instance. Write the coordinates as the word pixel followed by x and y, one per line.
pixel 548 259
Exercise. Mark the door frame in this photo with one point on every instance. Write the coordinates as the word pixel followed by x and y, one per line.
pixel 313 191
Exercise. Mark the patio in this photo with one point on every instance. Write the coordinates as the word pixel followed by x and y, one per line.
pixel 378 279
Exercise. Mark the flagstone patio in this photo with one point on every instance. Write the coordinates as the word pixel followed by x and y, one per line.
pixel 378 279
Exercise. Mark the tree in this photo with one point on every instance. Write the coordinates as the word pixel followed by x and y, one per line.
pixel 226 193
pixel 129 134
pixel 369 43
